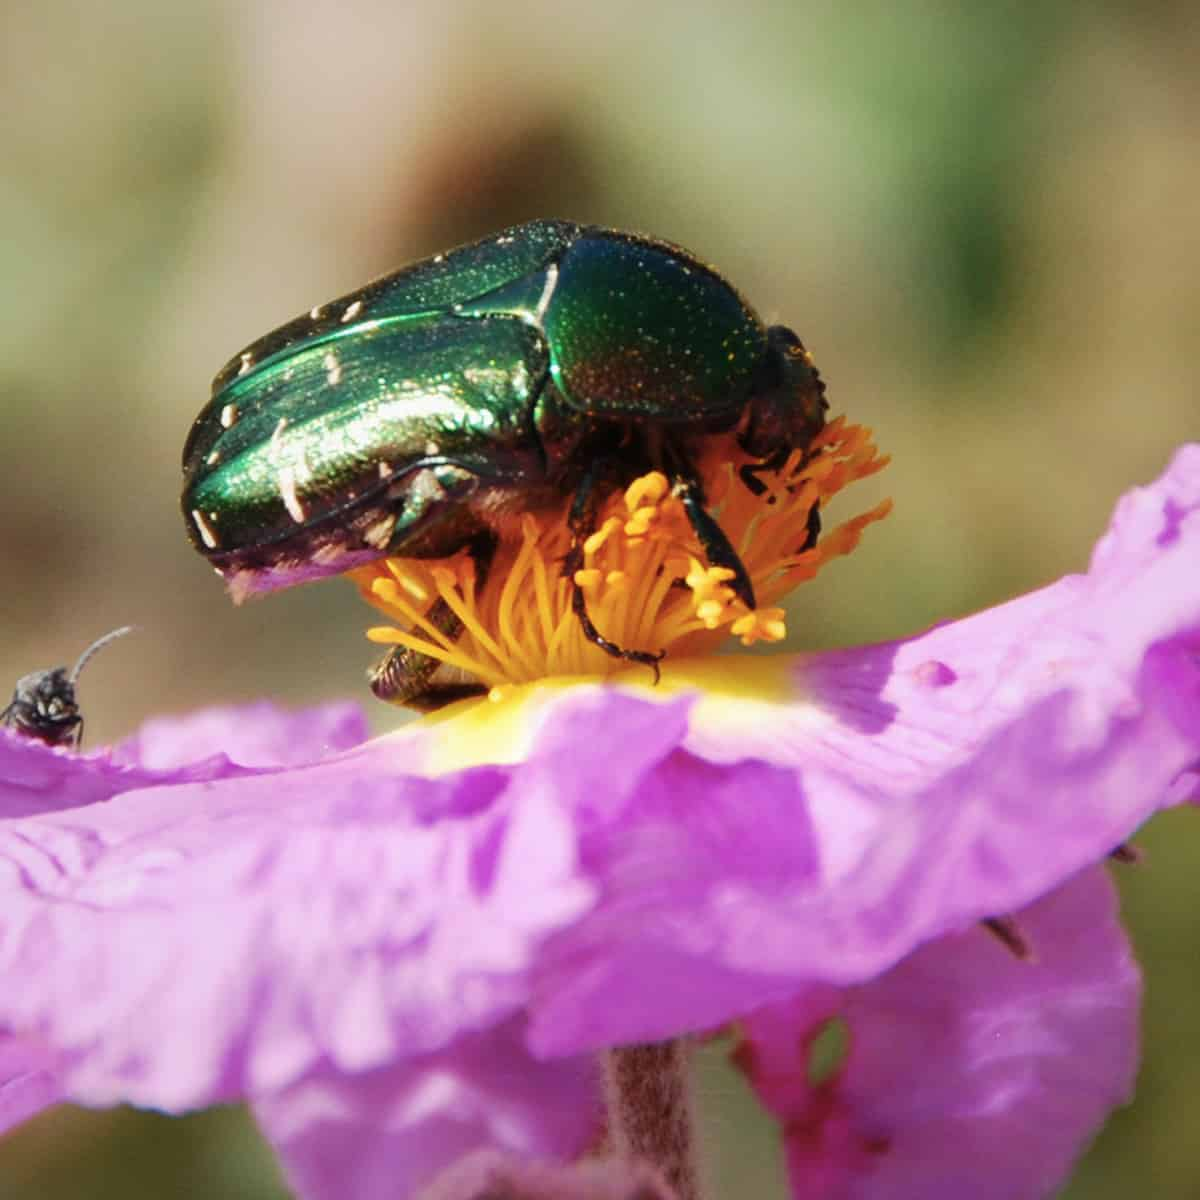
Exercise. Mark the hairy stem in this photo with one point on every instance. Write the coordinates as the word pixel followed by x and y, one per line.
pixel 650 1111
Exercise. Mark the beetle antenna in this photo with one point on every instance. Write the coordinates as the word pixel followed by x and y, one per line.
pixel 98 644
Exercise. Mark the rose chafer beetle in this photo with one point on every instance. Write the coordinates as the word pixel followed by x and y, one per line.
pixel 419 416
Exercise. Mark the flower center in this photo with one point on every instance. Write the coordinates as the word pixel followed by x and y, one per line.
pixel 644 578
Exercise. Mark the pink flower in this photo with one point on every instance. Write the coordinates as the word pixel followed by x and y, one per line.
pixel 405 950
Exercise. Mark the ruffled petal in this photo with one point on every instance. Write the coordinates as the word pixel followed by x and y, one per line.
pixel 231 939
pixel 969 1073
pixel 387 1133
pixel 213 744
pixel 970 769
pixel 697 868
pixel 252 735
pixel 891 794
pixel 28 1080
pixel 635 866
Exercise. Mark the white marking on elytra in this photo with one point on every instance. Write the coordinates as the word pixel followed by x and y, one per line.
pixel 333 369
pixel 213 458
pixel 302 469
pixel 432 449
pixel 208 535
pixel 352 311
pixel 315 313
pixel 275 449
pixel 287 493
pixel 247 362
pixel 229 416
pixel 547 291
pixel 385 468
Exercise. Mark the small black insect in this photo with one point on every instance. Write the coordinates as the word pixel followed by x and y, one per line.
pixel 44 705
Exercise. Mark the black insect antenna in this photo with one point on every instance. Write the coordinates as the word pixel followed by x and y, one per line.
pixel 98 644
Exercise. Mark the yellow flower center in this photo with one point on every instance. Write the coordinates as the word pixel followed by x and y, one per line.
pixel 644 577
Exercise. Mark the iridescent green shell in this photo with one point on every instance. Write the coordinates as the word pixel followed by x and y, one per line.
pixel 388 420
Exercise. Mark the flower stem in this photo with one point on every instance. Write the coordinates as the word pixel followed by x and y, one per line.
pixel 650 1111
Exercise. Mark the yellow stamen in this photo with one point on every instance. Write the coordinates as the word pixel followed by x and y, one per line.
pixel 649 490
pixel 761 625
pixel 644 575
pixel 594 543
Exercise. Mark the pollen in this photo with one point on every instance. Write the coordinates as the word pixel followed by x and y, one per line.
pixel 644 577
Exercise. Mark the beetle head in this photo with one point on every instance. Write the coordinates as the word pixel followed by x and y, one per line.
pixel 787 403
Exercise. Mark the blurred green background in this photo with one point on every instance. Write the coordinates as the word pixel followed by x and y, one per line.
pixel 982 219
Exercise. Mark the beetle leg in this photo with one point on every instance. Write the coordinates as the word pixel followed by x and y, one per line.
pixel 582 520
pixel 593 635
pixel 716 546
pixel 812 527
pixel 405 676
pixel 749 472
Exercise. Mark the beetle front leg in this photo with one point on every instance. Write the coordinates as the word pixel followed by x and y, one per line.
pixel 749 472
pixel 582 521
pixel 749 475
pixel 717 547
pixel 812 527
pixel 405 676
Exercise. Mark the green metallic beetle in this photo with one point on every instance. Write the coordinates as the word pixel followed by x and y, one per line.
pixel 548 364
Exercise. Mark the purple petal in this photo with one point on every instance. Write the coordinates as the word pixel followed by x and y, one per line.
pixel 969 1072
pixel 970 769
pixel 212 744
pixel 651 867
pixel 345 914
pixel 490 1176
pixel 28 1080
pixel 913 789
pixel 699 870
pixel 37 778
pixel 387 1133
pixel 254 735
pixel 337 916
